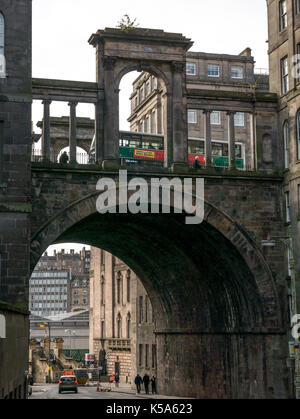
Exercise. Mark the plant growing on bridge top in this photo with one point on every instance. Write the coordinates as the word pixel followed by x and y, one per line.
pixel 126 24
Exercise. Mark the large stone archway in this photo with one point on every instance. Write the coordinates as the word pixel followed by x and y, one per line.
pixel 154 51
pixel 219 328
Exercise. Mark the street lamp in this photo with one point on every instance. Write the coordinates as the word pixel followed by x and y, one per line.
pixel 70 333
pixel 49 347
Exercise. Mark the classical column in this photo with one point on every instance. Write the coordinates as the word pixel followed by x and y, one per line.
pixel 111 116
pixel 46 130
pixel 180 127
pixel 253 140
pixel 207 133
pixel 72 132
pixel 99 131
pixel 231 140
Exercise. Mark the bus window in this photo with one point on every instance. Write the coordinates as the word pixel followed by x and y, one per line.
pixel 195 147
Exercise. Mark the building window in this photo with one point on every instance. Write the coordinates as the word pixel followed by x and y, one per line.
pixel 286 141
pixel 192 116
pixel 154 356
pixel 147 356
pixel 282 15
pixel 298 133
pixel 140 355
pixel 128 326
pixel 153 122
pixel 146 124
pixel 140 317
pixel 237 72
pixel 191 69
pixel 298 188
pixel 146 308
pixel 102 291
pixel 119 326
pixel 2 58
pixel 102 257
pixel 284 75
pixel 119 288
pixel 102 330
pixel 287 208
pixel 215 118
pixel 213 70
pixel 128 287
pixel 239 119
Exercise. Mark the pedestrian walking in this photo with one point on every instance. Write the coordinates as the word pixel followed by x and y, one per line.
pixel 138 381
pixel 117 379
pixel 146 380
pixel 153 384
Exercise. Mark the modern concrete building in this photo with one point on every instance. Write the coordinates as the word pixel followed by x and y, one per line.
pixel 49 292
pixel 121 319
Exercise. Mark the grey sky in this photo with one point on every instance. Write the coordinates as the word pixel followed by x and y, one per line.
pixel 61 29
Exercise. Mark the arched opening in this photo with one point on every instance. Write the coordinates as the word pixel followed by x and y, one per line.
pixel 143 122
pixel 211 293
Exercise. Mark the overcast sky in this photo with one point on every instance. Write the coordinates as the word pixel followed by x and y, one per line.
pixel 61 29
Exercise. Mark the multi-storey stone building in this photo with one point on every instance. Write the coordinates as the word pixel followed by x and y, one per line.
pixel 121 321
pixel 204 71
pixel 284 50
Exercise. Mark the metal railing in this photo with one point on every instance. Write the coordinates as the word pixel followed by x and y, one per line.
pixel 262 71
pixel 37 157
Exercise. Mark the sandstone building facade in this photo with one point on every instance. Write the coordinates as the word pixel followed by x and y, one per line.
pixel 284 50
pixel 121 319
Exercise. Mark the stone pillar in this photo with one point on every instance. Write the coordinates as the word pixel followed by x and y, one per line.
pixel 179 112
pixel 231 140
pixel 99 132
pixel 58 346
pixel 207 134
pixel 111 116
pixel 72 132
pixel 46 130
pixel 253 141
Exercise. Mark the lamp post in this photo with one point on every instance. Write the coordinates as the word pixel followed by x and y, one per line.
pixel 49 348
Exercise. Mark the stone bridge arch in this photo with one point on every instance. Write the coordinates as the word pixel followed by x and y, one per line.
pixel 219 325
pixel 157 52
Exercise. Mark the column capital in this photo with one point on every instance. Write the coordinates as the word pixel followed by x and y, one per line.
pixel 73 103
pixel 109 62
pixel 230 113
pixel 178 66
pixel 207 111
pixel 47 102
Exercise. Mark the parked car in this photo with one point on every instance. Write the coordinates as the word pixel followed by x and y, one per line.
pixel 68 383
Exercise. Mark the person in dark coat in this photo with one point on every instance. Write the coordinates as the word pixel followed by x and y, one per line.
pixel 197 164
pixel 64 158
pixel 146 380
pixel 117 379
pixel 153 384
pixel 138 381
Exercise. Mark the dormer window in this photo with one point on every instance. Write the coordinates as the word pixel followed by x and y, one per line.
pixel 2 57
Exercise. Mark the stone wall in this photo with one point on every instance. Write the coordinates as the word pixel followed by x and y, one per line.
pixel 14 363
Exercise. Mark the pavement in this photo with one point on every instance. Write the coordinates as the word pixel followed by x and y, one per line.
pixel 121 389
